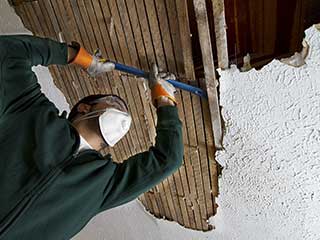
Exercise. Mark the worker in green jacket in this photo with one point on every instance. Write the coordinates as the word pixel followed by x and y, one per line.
pixel 53 180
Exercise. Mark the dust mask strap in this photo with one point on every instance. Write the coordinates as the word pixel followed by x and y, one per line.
pixel 114 124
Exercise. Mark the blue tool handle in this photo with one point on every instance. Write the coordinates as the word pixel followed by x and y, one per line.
pixel 189 88
pixel 127 69
pixel 176 84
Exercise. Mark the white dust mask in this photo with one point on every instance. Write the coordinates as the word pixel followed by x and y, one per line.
pixel 114 124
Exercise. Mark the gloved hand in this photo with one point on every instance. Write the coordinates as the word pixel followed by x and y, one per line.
pixel 93 64
pixel 160 87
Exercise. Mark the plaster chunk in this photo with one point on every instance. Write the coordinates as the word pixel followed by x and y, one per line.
pixel 298 59
pixel 246 63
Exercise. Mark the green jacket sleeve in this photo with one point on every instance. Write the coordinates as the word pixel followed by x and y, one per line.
pixel 18 53
pixel 143 171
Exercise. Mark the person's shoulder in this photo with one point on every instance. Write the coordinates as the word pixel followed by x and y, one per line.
pixel 3 48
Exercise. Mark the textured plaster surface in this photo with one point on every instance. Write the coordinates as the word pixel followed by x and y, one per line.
pixel 270 184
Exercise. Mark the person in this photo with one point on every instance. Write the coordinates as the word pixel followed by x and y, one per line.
pixel 53 179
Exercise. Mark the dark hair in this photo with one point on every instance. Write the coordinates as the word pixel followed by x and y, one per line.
pixel 88 100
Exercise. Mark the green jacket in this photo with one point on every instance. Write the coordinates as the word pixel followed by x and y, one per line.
pixel 47 191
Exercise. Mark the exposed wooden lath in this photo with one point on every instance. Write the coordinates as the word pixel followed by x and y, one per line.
pixel 220 27
pixel 138 33
pixel 209 69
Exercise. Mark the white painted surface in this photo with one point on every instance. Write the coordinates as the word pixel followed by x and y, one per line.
pixel 270 187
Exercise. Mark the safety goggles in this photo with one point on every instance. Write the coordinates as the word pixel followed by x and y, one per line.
pixel 113 101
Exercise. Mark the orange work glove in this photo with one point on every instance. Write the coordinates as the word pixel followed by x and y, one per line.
pixel 93 64
pixel 159 85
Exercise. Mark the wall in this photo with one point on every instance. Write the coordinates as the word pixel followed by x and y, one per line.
pixel 270 184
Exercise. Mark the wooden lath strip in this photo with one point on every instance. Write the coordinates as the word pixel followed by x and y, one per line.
pixel 187 172
pixel 134 26
pixel 177 179
pixel 197 150
pixel 148 41
pixel 123 27
pixel 213 168
pixel 143 64
pixel 148 46
pixel 220 27
pixel 206 167
pixel 132 83
pixel 203 127
pixel 116 40
pixel 43 16
pixel 129 58
pixel 209 69
pixel 167 201
pixel 160 12
pixel 171 48
pixel 201 149
pixel 136 38
pixel 213 104
pixel 181 185
pixel 138 46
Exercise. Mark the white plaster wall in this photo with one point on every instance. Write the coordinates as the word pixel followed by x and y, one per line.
pixel 270 185
pixel 270 188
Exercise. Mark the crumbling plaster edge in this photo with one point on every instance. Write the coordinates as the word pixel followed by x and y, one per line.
pixel 234 69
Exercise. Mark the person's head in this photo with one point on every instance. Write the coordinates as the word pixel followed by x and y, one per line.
pixel 101 119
